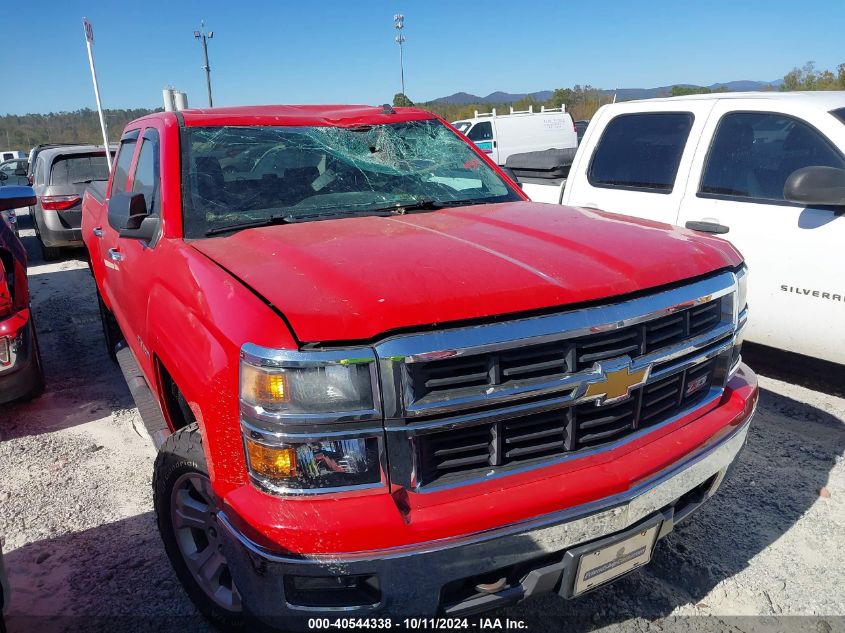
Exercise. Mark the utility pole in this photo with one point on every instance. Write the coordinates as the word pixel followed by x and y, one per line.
pixel 204 37
pixel 399 24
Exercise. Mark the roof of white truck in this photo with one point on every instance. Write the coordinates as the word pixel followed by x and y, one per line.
pixel 824 99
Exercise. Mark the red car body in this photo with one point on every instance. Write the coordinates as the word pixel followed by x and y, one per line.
pixel 187 308
pixel 20 364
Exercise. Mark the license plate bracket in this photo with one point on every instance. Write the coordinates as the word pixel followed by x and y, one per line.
pixel 595 564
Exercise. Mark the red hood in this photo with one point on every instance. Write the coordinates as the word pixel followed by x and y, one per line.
pixel 355 278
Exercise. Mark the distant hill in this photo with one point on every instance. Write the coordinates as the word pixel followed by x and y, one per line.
pixel 622 94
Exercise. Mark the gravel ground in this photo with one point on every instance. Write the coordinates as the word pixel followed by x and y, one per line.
pixel 83 552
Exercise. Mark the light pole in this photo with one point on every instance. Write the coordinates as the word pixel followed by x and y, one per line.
pixel 203 36
pixel 399 24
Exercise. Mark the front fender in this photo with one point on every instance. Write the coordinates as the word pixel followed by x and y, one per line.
pixel 198 317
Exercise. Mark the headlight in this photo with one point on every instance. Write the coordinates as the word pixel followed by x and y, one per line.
pixel 742 289
pixel 290 384
pixel 294 410
pixel 315 465
pixel 5 353
pixel 741 305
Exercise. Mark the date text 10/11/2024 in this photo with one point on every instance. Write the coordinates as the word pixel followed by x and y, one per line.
pixel 433 624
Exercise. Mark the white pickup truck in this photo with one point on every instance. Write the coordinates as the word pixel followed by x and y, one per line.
pixel 765 171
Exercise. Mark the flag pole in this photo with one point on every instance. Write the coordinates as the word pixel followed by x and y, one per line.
pixel 89 41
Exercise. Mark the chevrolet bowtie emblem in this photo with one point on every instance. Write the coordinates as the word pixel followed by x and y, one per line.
pixel 615 381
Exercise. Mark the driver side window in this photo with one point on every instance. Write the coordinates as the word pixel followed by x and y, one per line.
pixel 146 178
pixel 121 167
pixel 754 153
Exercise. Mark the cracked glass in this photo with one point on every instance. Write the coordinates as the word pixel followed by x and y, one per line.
pixel 247 176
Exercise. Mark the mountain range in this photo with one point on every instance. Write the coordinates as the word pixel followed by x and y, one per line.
pixel 622 94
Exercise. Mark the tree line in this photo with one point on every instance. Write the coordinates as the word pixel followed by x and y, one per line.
pixel 580 101
pixel 21 132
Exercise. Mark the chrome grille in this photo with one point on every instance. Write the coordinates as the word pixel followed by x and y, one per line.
pixel 469 403
pixel 475 449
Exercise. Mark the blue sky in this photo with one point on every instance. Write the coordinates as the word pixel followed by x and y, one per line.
pixel 329 51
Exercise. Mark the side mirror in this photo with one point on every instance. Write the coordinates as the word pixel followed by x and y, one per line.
pixel 816 186
pixel 128 216
pixel 3 176
pixel 13 197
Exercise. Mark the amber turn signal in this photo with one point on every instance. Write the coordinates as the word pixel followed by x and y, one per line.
pixel 264 387
pixel 275 462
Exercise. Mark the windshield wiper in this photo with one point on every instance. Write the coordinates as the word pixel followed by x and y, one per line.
pixel 272 220
pixel 292 219
pixel 401 208
pixel 433 205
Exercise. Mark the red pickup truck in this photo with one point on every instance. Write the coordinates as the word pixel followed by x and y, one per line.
pixel 383 384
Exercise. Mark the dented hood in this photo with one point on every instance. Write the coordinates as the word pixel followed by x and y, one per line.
pixel 356 278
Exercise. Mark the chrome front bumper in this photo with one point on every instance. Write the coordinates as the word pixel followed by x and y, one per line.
pixel 412 578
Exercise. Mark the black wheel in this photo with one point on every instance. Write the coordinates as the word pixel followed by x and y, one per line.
pixel 38 384
pixel 186 509
pixel 50 253
pixel 111 330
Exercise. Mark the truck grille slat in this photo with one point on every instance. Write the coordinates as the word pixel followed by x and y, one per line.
pixel 532 436
pixel 534 449
pixel 558 363
pixel 479 377
pixel 624 336
pixel 586 359
pixel 462 461
pixel 589 438
pixel 607 419
pixel 442 452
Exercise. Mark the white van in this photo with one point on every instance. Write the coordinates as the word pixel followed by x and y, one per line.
pixel 764 170
pixel 500 135
pixel 10 154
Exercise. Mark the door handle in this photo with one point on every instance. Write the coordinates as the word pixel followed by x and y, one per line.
pixel 708 227
pixel 98 232
pixel 115 255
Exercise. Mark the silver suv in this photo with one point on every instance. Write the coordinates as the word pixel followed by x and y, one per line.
pixel 60 177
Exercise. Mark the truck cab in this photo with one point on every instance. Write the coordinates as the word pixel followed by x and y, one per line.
pixel 736 165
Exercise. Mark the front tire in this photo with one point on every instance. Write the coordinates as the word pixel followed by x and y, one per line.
pixel 111 330
pixel 186 509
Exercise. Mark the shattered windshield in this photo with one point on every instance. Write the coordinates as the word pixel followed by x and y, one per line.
pixel 248 175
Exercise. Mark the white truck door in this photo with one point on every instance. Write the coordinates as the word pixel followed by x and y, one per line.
pixel 483 135
pixel 795 254
pixel 635 158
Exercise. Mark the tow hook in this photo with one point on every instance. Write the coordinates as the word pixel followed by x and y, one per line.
pixel 491 587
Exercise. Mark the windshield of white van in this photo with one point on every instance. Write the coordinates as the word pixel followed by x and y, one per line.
pixel 250 176
pixel 839 114
pixel 462 126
